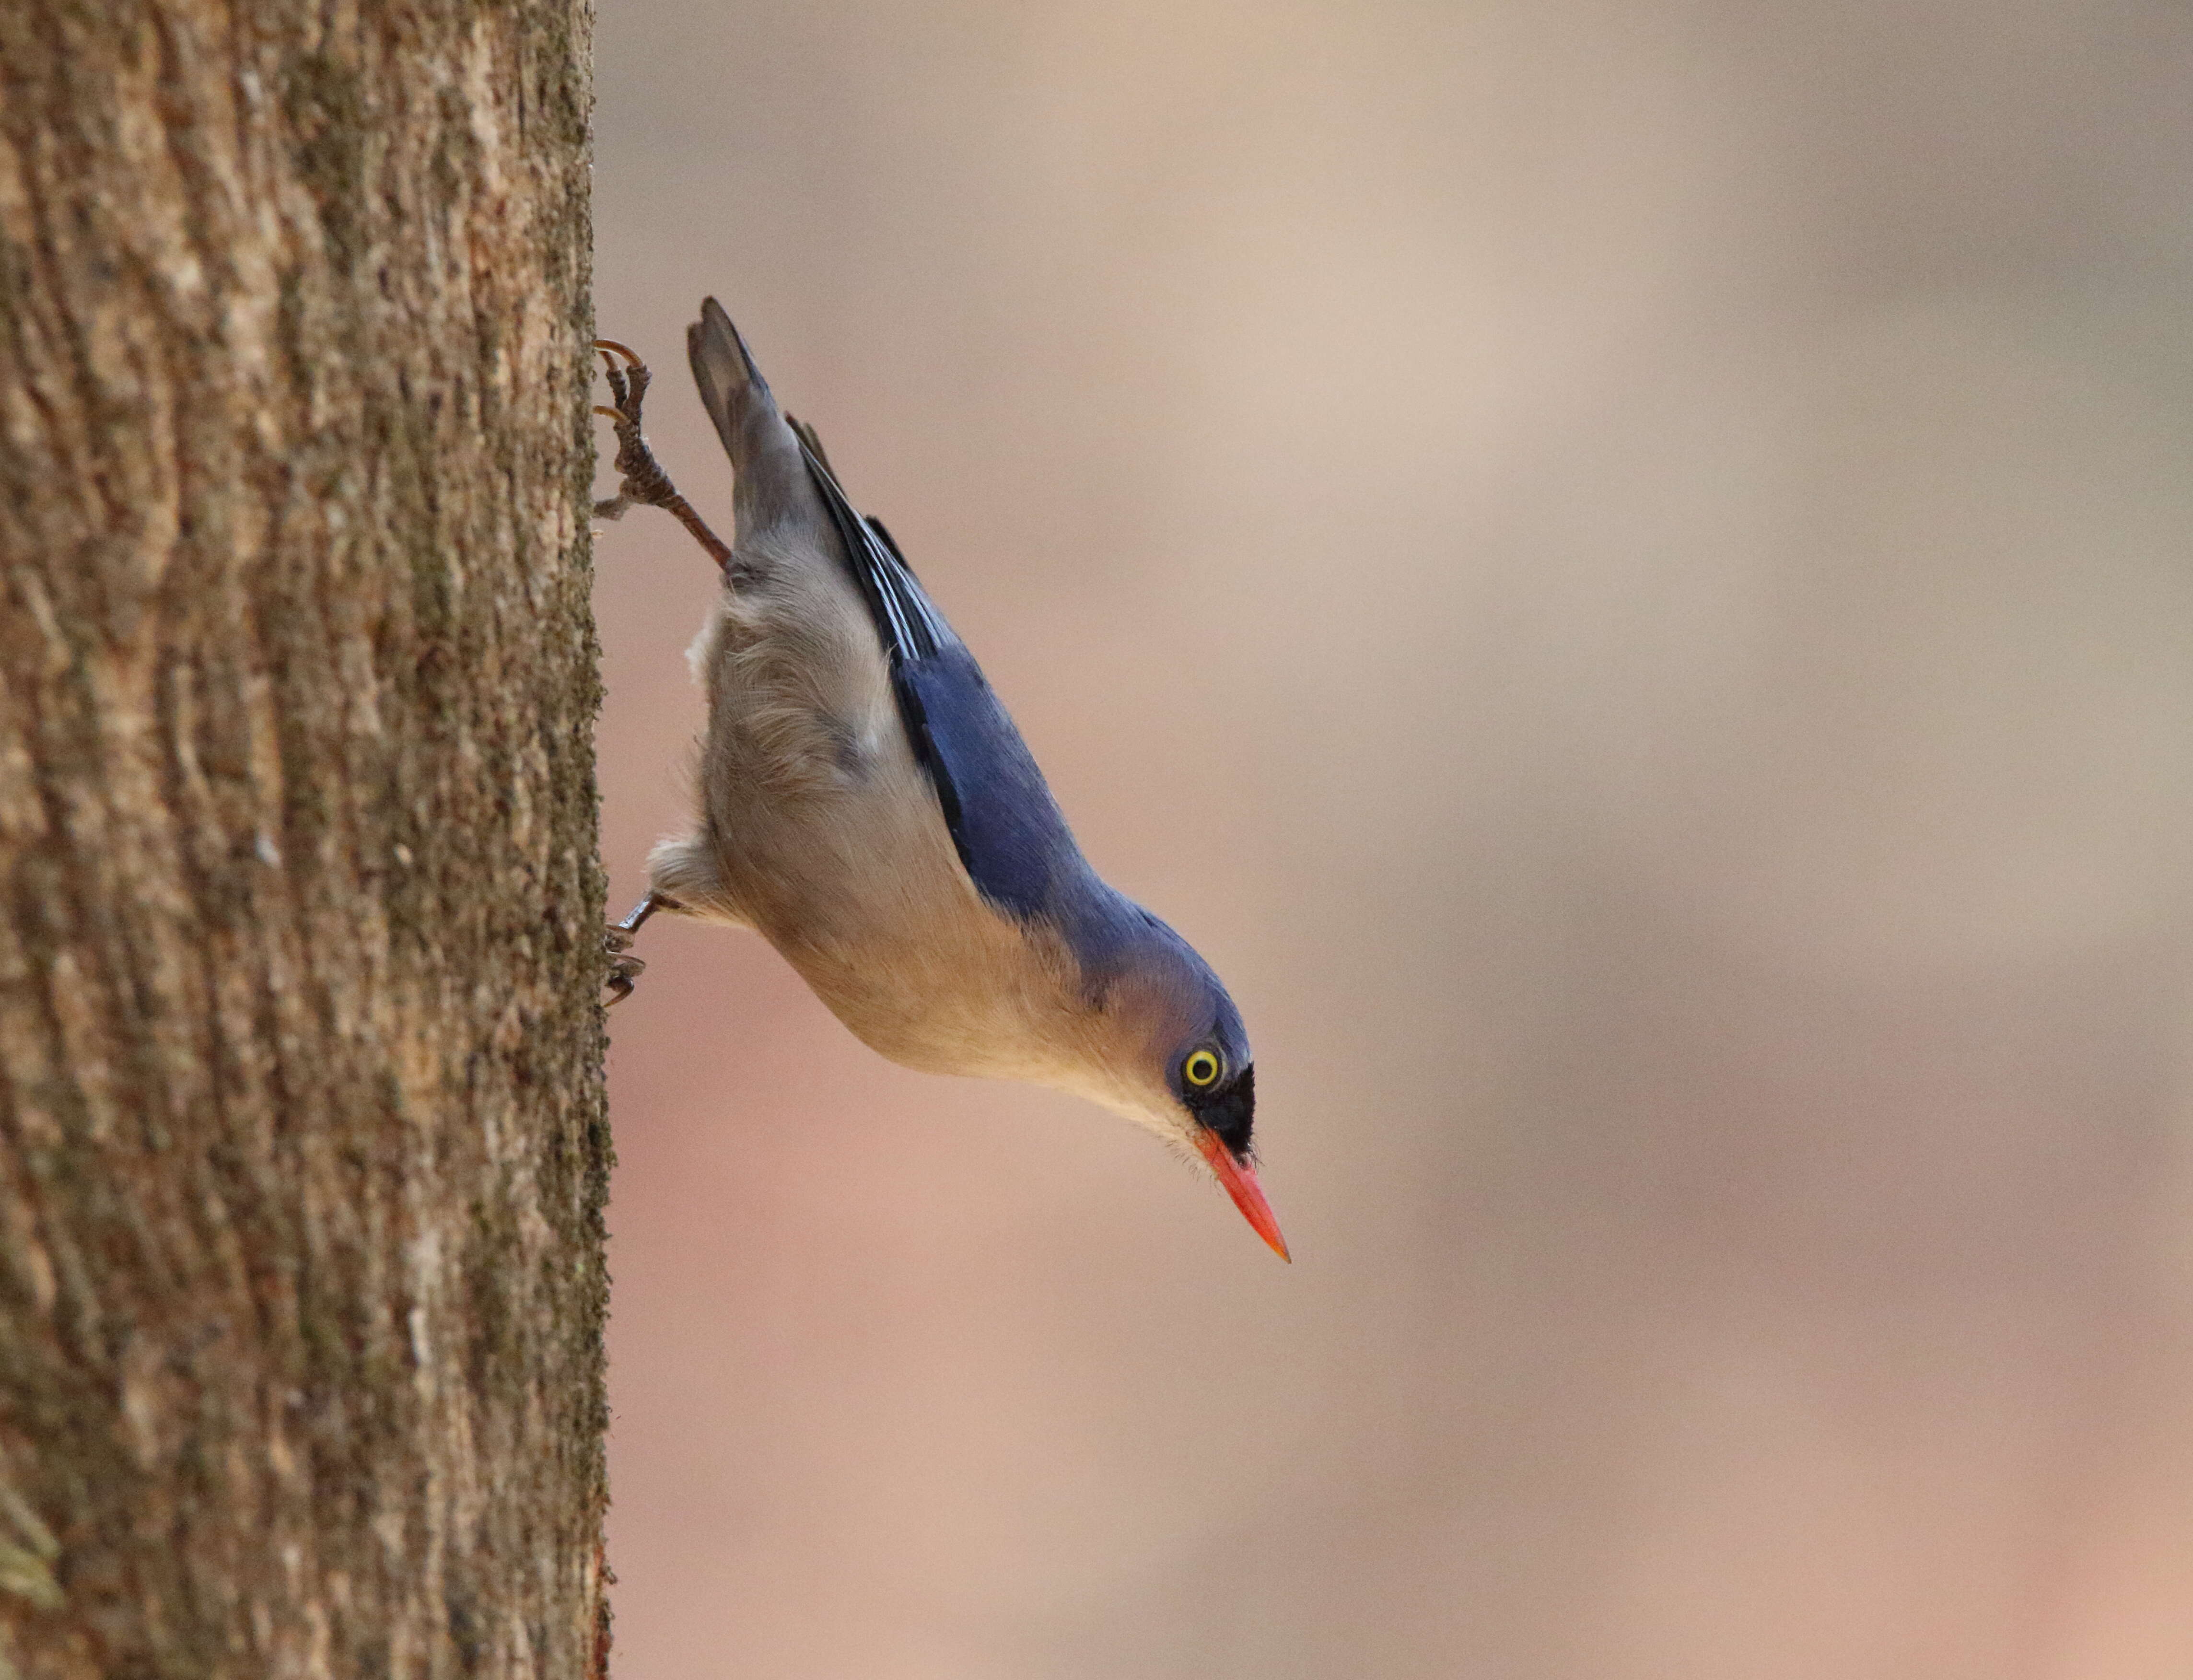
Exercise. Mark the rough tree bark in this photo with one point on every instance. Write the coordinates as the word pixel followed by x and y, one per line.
pixel 301 1181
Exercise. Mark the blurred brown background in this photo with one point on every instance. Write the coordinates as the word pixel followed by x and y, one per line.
pixel 1623 572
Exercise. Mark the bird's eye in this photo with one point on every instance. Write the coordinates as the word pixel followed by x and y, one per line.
pixel 1201 1070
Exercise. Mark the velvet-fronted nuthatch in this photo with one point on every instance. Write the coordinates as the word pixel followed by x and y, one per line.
pixel 867 804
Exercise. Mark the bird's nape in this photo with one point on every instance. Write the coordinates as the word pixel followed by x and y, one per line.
pixel 1239 1179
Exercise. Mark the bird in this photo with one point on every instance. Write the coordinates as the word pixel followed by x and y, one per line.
pixel 864 802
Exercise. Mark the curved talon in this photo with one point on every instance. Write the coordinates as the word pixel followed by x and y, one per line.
pixel 623 349
pixel 628 391
pixel 625 969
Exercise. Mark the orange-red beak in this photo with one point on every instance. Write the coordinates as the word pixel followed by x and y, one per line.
pixel 1240 1182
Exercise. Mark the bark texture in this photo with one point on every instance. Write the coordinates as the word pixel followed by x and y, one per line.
pixel 301 1273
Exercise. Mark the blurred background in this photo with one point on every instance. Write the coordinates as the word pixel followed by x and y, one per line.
pixel 1623 571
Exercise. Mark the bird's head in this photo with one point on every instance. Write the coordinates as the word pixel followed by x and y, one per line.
pixel 1165 1047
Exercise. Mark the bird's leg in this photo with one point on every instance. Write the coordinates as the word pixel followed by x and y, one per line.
pixel 625 969
pixel 641 477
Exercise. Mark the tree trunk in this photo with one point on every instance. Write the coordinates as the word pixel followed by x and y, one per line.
pixel 300 1182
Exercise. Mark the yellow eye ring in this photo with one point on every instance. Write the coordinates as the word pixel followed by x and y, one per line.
pixel 1201 1070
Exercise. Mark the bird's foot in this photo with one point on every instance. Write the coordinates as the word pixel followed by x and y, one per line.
pixel 625 969
pixel 641 480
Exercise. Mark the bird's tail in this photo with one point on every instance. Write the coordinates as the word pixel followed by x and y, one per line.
pixel 770 477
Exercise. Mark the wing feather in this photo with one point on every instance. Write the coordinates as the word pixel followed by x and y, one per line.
pixel 1010 836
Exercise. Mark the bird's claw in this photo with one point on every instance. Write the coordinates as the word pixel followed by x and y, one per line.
pixel 625 969
pixel 640 478
pixel 628 382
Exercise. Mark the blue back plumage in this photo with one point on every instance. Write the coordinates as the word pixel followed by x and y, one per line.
pixel 1011 835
